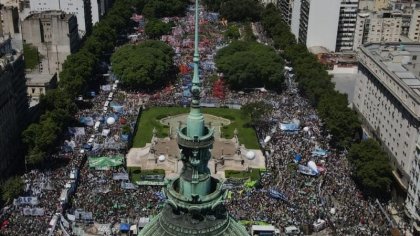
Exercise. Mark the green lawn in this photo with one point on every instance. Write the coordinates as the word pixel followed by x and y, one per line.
pixel 253 174
pixel 136 173
pixel 150 119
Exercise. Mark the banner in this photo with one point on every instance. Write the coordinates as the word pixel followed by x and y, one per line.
pixel 120 176
pixel 82 215
pixel 25 200
pixel 127 185
pixel 71 217
pixel 65 222
pixel 33 211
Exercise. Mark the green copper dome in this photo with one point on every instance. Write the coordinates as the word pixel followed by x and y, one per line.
pixel 195 199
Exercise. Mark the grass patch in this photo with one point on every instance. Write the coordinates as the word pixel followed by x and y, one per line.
pixel 136 173
pixel 253 174
pixel 150 119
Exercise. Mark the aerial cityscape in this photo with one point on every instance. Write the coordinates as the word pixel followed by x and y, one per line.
pixel 211 117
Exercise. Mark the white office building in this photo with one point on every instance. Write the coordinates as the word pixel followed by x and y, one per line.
pixel 376 27
pixel 322 23
pixel 387 95
pixel 99 8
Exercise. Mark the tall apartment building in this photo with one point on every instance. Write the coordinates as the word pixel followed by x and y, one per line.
pixel 54 34
pixel 347 25
pixel 10 11
pixel 80 8
pixel 387 95
pixel 379 27
pixel 313 27
pixel 286 8
pixel 414 31
pixel 99 8
pixel 317 28
pixel 374 5
pixel 13 107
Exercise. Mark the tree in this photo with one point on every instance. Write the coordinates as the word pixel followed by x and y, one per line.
pixel 340 120
pixel 12 188
pixel 250 65
pixel 156 28
pixel 371 169
pixel 256 110
pixel 232 32
pixel 213 5
pixel 145 66
pixel 32 56
pixel 241 10
pixel 164 8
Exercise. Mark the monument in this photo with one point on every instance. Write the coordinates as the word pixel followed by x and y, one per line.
pixel 195 199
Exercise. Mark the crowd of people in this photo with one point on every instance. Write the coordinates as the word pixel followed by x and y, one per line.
pixel 97 195
pixel 330 196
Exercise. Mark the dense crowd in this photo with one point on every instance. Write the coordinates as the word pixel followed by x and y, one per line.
pixel 331 196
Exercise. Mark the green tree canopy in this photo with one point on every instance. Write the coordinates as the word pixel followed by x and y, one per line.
pixel 12 188
pixel 144 66
pixel 241 10
pixel 256 110
pixel 163 8
pixel 249 65
pixel 213 5
pixel 32 56
pixel 156 28
pixel 232 32
pixel 372 171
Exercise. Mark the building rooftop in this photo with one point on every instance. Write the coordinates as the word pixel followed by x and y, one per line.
pixel 401 61
pixel 49 14
pixel 37 79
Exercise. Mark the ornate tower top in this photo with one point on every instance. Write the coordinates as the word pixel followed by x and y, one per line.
pixel 195 199
pixel 195 120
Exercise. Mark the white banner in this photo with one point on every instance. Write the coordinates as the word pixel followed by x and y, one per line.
pixel 71 217
pixel 127 185
pixel 65 222
pixel 33 211
pixel 120 176
pixel 26 200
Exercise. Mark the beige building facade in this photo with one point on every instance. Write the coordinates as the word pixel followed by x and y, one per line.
pixel 387 96
pixel 379 27
pixel 414 30
pixel 55 35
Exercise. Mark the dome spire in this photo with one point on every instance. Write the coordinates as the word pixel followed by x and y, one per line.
pixel 195 120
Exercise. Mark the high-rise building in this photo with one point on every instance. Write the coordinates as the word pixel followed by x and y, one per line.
pixel 54 34
pixel 80 8
pixel 378 27
pixel 286 8
pixel 313 27
pixel 195 199
pixel 414 30
pixel 13 107
pixel 99 8
pixel 347 25
pixel 10 11
pixel 387 96
pixel 317 28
